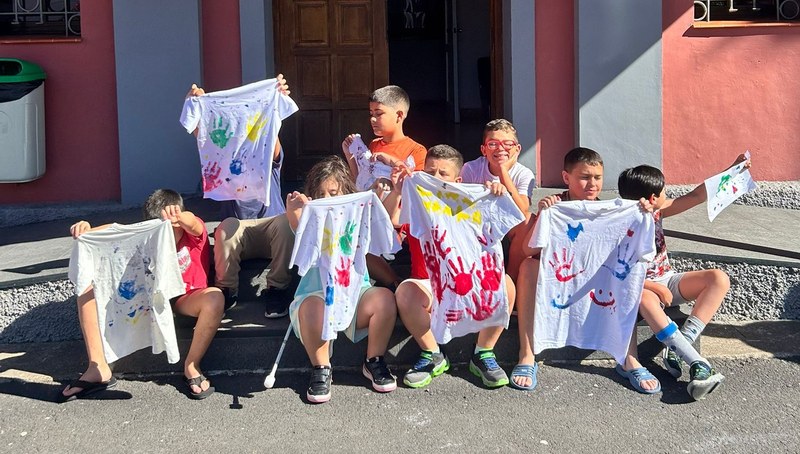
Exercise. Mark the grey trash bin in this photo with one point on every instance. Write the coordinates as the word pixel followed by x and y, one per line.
pixel 21 121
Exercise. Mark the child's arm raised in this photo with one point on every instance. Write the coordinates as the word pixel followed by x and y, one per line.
pixel 294 208
pixel 351 160
pixel 544 204
pixel 521 200
pixel 698 195
pixel 183 219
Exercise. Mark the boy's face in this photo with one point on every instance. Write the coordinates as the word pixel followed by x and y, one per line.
pixel 499 146
pixel 443 169
pixel 384 119
pixel 584 181
pixel 330 188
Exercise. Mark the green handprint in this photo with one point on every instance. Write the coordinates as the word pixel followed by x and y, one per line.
pixel 723 183
pixel 220 134
pixel 346 238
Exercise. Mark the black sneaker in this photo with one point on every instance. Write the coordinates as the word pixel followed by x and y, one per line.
pixel 379 374
pixel 703 379
pixel 231 298
pixel 319 387
pixel 277 302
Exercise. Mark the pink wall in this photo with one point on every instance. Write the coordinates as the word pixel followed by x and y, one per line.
pixel 222 57
pixel 80 114
pixel 726 90
pixel 555 88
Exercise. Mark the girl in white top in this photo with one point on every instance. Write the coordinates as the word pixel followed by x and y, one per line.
pixel 376 311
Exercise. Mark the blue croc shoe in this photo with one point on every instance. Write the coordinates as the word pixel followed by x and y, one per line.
pixel 525 370
pixel 637 376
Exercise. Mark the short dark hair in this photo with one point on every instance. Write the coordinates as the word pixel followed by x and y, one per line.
pixel 159 200
pixel 584 155
pixel 640 182
pixel 330 167
pixel 392 96
pixel 443 151
pixel 500 124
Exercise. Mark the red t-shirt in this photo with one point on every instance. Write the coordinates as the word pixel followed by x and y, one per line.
pixel 401 149
pixel 194 259
pixel 418 270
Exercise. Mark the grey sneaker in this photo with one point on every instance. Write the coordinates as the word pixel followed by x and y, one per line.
pixel 484 365
pixel 672 362
pixel 703 379
pixel 428 365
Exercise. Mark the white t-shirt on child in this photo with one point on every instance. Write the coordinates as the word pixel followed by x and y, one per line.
pixel 134 272
pixel 477 171
pixel 591 274
pixel 237 132
pixel 369 170
pixel 460 228
pixel 335 234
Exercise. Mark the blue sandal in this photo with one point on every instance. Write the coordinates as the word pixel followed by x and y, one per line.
pixel 525 370
pixel 637 376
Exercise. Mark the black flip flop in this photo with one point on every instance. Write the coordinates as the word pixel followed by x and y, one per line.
pixel 87 389
pixel 197 381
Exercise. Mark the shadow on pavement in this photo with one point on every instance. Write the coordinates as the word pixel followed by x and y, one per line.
pixel 52 392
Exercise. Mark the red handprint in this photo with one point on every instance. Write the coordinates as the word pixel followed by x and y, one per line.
pixel 492 274
pixel 452 316
pixel 462 280
pixel 434 253
pixel 343 272
pixel 563 266
pixel 485 307
pixel 211 179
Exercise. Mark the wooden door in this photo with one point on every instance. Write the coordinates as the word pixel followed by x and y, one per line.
pixel 333 54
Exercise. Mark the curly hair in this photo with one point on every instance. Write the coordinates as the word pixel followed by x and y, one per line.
pixel 330 167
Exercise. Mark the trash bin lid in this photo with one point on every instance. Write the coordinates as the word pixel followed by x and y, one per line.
pixel 16 70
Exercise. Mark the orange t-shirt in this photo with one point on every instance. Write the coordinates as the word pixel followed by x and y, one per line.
pixel 401 149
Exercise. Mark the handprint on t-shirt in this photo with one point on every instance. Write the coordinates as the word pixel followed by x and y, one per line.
pixel 562 266
pixel 623 265
pixel 329 291
pixel 484 307
pixel 211 178
pixel 343 272
pixel 461 280
pixel 220 134
pixel 346 238
pixel 492 273
pixel 434 253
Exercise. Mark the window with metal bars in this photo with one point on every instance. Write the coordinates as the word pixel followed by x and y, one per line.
pixel 42 18
pixel 747 10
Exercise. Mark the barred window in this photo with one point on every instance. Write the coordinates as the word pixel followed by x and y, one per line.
pixel 46 18
pixel 747 10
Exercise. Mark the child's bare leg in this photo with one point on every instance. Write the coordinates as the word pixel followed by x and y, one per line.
pixel 311 315
pixel 515 252
pixel 97 370
pixel 488 337
pixel 207 305
pixel 707 288
pixel 380 270
pixel 414 305
pixel 377 312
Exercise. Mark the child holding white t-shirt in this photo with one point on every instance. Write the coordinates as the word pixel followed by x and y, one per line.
pixel 375 313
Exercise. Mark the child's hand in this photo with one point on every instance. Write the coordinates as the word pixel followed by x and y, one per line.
pixel 548 201
pixel 172 213
pixel 296 200
pixel 742 158
pixel 382 157
pixel 346 145
pixel 381 187
pixel 195 91
pixel 662 292
pixel 645 205
pixel 282 86
pixel 79 228
pixel 495 187
pixel 399 174
pixel 512 159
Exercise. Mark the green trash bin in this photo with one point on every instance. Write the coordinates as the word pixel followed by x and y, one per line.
pixel 21 121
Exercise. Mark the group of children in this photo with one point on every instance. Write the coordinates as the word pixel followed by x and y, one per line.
pixel 383 295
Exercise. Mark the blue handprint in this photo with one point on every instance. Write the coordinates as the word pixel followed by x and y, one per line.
pixel 623 266
pixel 329 291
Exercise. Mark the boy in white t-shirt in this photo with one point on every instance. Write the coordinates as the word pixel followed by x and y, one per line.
pixel 200 301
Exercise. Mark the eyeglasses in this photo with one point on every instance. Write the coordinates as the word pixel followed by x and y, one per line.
pixel 495 145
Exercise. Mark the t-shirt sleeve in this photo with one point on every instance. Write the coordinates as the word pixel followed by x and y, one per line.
pixel 285 106
pixel 541 231
pixel 419 153
pixel 191 113
pixel 383 239
pixel 81 266
pixel 526 182
pixel 647 235
pixel 504 213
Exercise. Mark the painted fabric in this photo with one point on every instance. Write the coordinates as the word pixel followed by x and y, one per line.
pixel 194 259
pixel 591 274
pixel 401 149
pixel 134 272
pixel 477 171
pixel 460 227
pixel 368 170
pixel 660 265
pixel 237 131
pixel 334 235
pixel 256 209
pixel 722 189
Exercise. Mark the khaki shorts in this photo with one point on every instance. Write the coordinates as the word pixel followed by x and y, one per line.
pixel 672 281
